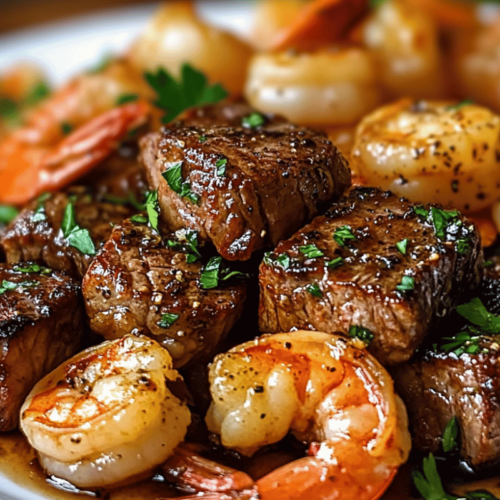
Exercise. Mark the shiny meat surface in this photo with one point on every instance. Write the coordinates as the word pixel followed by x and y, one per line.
pixel 252 187
pixel 360 287
pixel 36 235
pixel 490 286
pixel 41 325
pixel 136 279
pixel 439 386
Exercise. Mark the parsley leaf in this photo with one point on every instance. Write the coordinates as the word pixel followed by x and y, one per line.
pixel 429 483
pixel 475 312
pixel 221 167
pixel 480 495
pixel 343 234
pixel 126 98
pixel 139 219
pixel 173 176
pixel 361 333
pixel 314 289
pixel 421 211
pixel 66 128
pixel 76 236
pixel 7 213
pixel 462 342
pixel 31 267
pixel 282 260
pixel 402 246
pixel 167 320
pixel 334 263
pixel 459 105
pixel 213 273
pixel 407 284
pixel 253 120
pixel 38 93
pixel 450 435
pixel 9 285
pixel 190 239
pixel 191 90
pixel 39 214
pixel 153 209
pixel 488 263
pixel 311 251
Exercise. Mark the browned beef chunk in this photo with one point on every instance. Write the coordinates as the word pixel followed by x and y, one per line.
pixel 360 277
pixel 490 286
pixel 139 284
pixel 36 235
pixel 244 188
pixel 41 325
pixel 438 386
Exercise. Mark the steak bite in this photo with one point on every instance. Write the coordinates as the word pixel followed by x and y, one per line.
pixel 441 384
pixel 36 234
pixel 141 284
pixel 489 292
pixel 41 325
pixel 243 188
pixel 373 261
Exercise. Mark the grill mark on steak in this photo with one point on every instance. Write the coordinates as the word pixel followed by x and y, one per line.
pixel 363 291
pixel 40 327
pixel 136 278
pixel 278 177
pixel 29 239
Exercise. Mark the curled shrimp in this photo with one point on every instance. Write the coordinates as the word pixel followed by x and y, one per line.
pixel 28 170
pixel 107 415
pixel 329 87
pixel 328 393
pixel 432 152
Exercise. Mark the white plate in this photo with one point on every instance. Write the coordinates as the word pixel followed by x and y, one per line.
pixel 67 47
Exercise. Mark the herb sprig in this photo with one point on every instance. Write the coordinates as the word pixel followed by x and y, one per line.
pixel 76 236
pixel 214 272
pixel 173 176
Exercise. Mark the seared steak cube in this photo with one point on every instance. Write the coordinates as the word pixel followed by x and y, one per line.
pixel 36 233
pixel 440 385
pixel 243 188
pixel 141 284
pixel 41 325
pixel 490 285
pixel 373 261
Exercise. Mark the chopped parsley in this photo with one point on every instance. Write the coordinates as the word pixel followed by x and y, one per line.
pixel 221 167
pixel 39 214
pixel 66 128
pixel 31 267
pixel 334 263
pixel 192 89
pixel 167 320
pixel 361 333
pixel 314 289
pixel 7 286
pixel 343 234
pixel 402 246
pixel 488 263
pixel 126 98
pixel 76 236
pixel 282 260
pixel 173 176
pixel 253 120
pixel 190 246
pixel 39 92
pixel 311 251
pixel 139 219
pixel 7 213
pixel 450 435
pixel 462 342
pixel 215 272
pixel 153 209
pixel 459 105
pixel 407 284
pixel 202 138
pixel 421 211
pixel 475 312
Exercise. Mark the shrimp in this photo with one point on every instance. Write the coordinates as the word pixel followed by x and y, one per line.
pixel 432 152
pixel 325 389
pixel 176 36
pixel 404 42
pixel 107 415
pixel 334 87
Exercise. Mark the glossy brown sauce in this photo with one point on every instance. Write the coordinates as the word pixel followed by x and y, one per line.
pixel 18 463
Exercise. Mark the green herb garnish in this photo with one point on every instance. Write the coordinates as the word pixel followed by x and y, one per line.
pixel 311 251
pixel 139 219
pixel 314 289
pixel 253 120
pixel 343 234
pixel 221 167
pixel 167 320
pixel 7 213
pixel 39 214
pixel 407 284
pixel 421 211
pixel 31 267
pixel 153 209
pixel 191 90
pixel 450 435
pixel 361 333
pixel 126 98
pixel 282 260
pixel 190 238
pixel 7 286
pixel 173 176
pixel 202 138
pixel 76 236
pixel 131 199
pixel 402 246
pixel 66 128
pixel 488 263
pixel 459 105
pixel 462 342
pixel 214 272
pixel 475 312
pixel 334 263
pixel 39 92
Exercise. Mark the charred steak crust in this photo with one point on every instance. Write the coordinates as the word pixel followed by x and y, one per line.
pixel 136 279
pixel 362 290
pixel 41 325
pixel 30 237
pixel 275 180
pixel 439 386
pixel 490 286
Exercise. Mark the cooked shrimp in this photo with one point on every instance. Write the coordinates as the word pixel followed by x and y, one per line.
pixel 176 36
pixel 432 152
pixel 328 392
pixel 335 87
pixel 404 42
pixel 106 415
